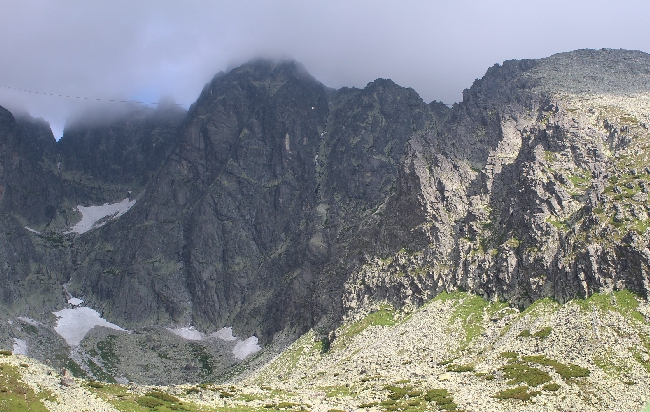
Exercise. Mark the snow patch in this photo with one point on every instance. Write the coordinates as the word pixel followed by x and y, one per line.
pixel 32 230
pixel 75 301
pixel 93 217
pixel 224 334
pixel 74 324
pixel 243 348
pixel 20 347
pixel 187 333
pixel 29 321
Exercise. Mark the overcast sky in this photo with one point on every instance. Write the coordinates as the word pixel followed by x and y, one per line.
pixel 144 50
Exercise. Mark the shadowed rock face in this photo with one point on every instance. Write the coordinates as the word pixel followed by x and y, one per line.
pixel 276 204
pixel 126 148
pixel 258 215
pixel 28 195
pixel 26 185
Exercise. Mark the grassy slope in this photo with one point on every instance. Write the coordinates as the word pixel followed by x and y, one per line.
pixel 458 352
pixel 487 355
pixel 16 395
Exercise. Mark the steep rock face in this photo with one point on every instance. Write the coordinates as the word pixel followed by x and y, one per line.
pixel 38 205
pixel 26 187
pixel 362 202
pixel 126 147
pixel 536 186
pixel 32 264
pixel 39 194
pixel 261 211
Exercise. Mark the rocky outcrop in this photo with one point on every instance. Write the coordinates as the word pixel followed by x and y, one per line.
pixel 281 189
pixel 534 188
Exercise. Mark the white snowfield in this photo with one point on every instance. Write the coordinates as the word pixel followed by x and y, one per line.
pixel 242 349
pixel 93 217
pixel 187 333
pixel 224 334
pixel 74 324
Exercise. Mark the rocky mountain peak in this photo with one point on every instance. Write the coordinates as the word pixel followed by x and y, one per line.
pixel 276 205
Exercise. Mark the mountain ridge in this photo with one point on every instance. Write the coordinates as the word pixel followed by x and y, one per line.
pixel 276 205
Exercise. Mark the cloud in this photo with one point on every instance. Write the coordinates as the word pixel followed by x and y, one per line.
pixel 142 50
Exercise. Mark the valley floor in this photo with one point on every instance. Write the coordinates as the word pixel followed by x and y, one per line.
pixel 458 352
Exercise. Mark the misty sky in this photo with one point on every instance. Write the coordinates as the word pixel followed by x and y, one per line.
pixel 146 50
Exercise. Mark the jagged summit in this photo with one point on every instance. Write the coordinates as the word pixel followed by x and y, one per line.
pixel 583 73
pixel 259 71
pixel 606 71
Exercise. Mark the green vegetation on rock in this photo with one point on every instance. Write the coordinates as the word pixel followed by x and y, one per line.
pixel 519 372
pixel 468 311
pixel 524 333
pixel 543 333
pixel 521 393
pixel 551 387
pixel 382 317
pixel 16 396
pixel 623 302
pixel 460 368
pixel 405 398
pixel 567 372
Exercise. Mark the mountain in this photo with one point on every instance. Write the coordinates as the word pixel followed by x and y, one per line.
pixel 257 217
pixel 536 187
pixel 276 206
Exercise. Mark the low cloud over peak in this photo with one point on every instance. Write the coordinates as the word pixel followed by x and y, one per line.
pixel 118 50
